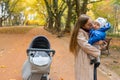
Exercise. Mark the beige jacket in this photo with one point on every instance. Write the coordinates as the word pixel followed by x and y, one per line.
pixel 83 69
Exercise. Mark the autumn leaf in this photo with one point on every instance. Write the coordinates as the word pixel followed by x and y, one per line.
pixel 2 66
pixel 12 79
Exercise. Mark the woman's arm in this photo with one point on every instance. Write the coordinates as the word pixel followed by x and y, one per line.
pixel 89 49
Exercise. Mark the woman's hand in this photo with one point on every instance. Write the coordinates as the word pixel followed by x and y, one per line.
pixel 104 45
pixel 100 42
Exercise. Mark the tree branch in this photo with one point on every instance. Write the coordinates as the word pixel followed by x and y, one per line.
pixel 94 1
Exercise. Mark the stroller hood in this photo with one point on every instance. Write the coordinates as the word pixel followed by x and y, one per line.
pixel 40 42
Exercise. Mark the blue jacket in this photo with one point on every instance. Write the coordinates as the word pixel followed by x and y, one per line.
pixel 99 34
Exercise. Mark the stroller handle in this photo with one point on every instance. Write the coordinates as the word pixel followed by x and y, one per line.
pixel 46 50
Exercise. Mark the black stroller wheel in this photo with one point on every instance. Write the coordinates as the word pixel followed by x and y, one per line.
pixel 44 78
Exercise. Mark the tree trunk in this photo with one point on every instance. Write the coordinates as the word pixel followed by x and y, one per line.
pixel 50 20
pixel 0 22
pixel 57 26
pixel 50 23
pixel 116 19
pixel 83 9
pixel 68 21
pixel 54 15
pixel 77 2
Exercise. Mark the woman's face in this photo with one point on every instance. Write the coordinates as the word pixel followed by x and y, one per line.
pixel 89 25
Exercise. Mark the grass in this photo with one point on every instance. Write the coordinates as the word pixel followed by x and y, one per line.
pixel 116 68
pixel 115 47
pixel 113 35
pixel 15 30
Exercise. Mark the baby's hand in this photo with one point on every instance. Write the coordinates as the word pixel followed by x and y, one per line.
pixel 107 25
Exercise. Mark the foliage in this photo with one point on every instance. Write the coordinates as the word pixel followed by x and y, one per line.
pixel 55 10
pixel 103 9
pixel 115 47
pixel 25 8
pixel 6 9
pixel 37 9
pixel 113 35
pixel 116 2
pixel 110 10
pixel 59 14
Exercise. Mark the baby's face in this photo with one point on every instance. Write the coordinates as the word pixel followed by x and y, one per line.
pixel 96 25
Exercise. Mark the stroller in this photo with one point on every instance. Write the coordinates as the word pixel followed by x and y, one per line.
pixel 37 66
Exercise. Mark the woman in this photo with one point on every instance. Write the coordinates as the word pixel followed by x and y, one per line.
pixel 81 49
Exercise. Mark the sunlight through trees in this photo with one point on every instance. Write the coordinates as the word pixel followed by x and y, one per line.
pixel 57 16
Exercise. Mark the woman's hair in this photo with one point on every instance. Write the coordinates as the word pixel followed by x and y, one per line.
pixel 82 20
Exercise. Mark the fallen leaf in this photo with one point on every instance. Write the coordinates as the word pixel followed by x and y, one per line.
pixel 2 66
pixel 12 79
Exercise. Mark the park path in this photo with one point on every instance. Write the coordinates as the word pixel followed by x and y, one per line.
pixel 13 54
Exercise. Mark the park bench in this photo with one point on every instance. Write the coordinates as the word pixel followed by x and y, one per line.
pixel 106 48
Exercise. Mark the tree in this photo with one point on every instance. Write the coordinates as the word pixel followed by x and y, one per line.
pixel 50 18
pixel 75 9
pixel 83 8
pixel 6 9
pixel 77 3
pixel 116 8
pixel 70 5
pixel 55 9
pixel 58 13
pixel 111 11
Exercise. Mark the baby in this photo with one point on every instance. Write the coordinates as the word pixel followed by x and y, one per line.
pixel 98 33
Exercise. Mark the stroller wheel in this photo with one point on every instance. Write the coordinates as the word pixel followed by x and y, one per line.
pixel 45 78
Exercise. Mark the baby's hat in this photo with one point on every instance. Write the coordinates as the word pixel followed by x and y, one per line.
pixel 101 21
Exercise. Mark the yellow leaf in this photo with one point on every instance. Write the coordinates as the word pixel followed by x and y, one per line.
pixel 2 66
pixel 12 79
pixel 61 79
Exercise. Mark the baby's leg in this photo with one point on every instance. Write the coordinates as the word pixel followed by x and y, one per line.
pixel 92 59
pixel 98 59
pixel 97 63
